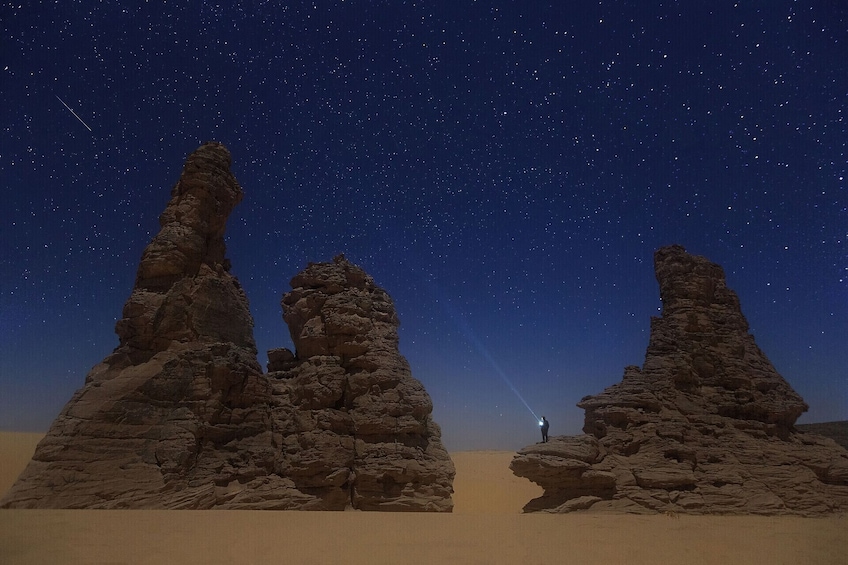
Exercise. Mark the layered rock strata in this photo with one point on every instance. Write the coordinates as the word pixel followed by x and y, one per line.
pixel 364 434
pixel 706 425
pixel 180 415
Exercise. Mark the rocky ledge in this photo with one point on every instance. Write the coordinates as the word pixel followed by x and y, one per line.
pixel 706 425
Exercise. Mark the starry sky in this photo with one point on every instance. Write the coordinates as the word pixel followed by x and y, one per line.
pixel 505 170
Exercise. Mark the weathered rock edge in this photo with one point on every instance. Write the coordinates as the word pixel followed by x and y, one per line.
pixel 705 426
pixel 180 414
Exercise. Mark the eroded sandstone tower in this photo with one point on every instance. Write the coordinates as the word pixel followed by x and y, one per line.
pixel 359 410
pixel 180 415
pixel 706 425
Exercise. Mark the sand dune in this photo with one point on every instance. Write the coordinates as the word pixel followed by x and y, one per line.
pixel 487 527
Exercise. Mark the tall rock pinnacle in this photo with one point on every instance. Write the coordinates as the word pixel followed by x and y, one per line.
pixel 706 425
pixel 700 356
pixel 183 380
pixel 186 261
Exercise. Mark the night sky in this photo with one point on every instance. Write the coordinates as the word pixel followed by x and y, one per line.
pixel 505 173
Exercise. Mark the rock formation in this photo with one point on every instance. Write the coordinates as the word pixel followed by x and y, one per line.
pixel 706 425
pixel 180 415
pixel 363 434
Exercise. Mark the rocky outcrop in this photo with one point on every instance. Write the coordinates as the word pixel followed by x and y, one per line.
pixel 706 425
pixel 363 434
pixel 180 415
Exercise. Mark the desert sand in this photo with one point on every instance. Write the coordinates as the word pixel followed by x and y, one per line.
pixel 486 527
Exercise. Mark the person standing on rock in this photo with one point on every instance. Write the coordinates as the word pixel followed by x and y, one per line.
pixel 544 425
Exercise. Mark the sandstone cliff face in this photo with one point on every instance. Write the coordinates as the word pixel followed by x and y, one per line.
pixel 181 416
pixel 704 426
pixel 359 410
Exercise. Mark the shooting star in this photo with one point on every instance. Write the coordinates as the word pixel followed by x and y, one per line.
pixel 74 113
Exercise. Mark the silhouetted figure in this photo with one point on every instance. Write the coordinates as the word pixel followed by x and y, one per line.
pixel 544 424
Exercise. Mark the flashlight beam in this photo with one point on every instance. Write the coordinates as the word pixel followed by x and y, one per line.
pixel 472 337
pixel 482 350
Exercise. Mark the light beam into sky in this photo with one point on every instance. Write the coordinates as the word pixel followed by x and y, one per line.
pixel 472 338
